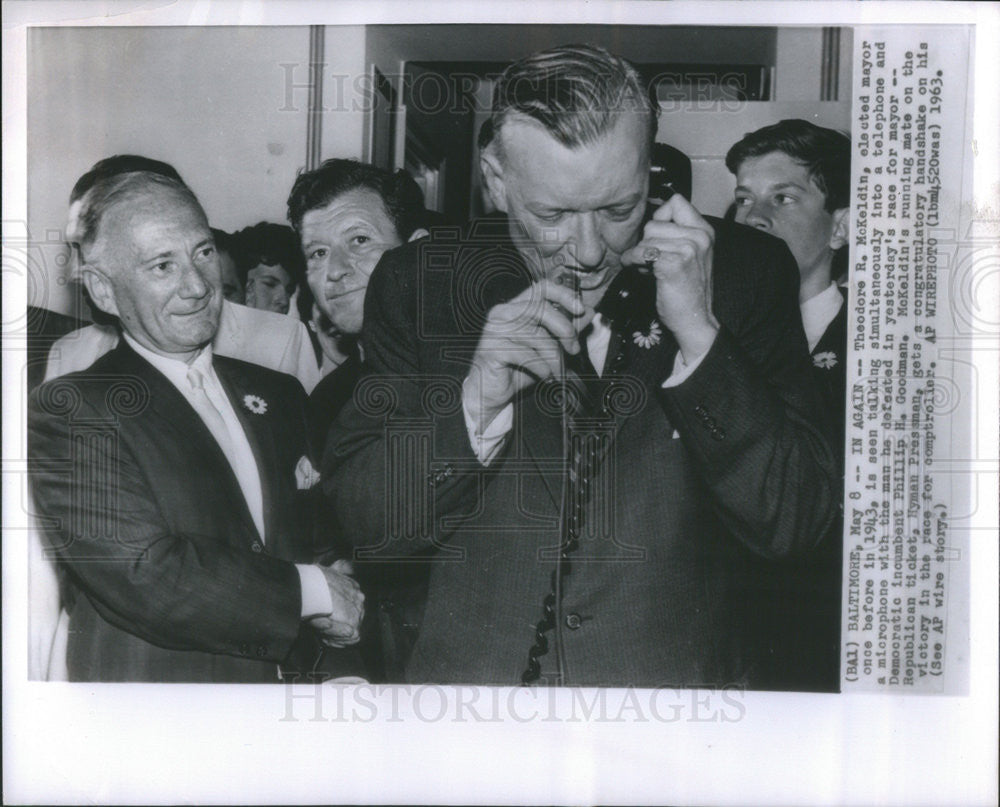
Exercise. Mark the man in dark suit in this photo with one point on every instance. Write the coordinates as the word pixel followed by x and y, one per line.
pixel 793 181
pixel 169 477
pixel 587 522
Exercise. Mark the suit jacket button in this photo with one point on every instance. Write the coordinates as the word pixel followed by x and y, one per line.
pixel 244 649
pixel 257 546
pixel 573 621
pixel 261 651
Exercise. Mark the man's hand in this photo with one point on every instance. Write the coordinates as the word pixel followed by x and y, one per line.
pixel 342 626
pixel 521 343
pixel 677 247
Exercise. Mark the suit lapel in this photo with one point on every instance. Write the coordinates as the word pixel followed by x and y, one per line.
pixel 638 363
pixel 174 414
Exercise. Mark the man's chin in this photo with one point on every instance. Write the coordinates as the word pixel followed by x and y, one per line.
pixel 344 319
pixel 199 328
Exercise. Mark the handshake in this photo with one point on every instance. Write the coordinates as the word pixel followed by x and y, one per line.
pixel 342 626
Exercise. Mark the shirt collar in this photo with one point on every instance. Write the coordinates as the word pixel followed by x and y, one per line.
pixel 819 311
pixel 176 370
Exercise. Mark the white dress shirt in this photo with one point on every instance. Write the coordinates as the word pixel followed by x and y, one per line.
pixel 487 443
pixel 819 311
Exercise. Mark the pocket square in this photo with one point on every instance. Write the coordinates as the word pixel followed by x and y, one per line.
pixel 305 475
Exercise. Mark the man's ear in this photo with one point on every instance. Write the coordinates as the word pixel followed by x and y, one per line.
pixel 420 232
pixel 489 164
pixel 99 288
pixel 841 228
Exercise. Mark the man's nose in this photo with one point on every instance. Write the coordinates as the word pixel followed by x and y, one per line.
pixel 587 242
pixel 339 267
pixel 757 216
pixel 194 282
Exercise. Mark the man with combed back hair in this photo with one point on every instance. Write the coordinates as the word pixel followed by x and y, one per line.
pixel 588 412
pixel 169 477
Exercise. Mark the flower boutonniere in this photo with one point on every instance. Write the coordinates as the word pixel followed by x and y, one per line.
pixel 255 404
pixel 648 337
pixel 826 360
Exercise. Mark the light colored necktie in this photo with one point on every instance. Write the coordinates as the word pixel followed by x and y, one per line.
pixel 208 411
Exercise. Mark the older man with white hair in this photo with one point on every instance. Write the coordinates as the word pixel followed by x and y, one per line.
pixel 170 475
pixel 260 337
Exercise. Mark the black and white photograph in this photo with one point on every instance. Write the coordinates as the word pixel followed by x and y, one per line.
pixel 406 403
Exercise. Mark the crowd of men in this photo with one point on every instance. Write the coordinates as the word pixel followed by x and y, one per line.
pixel 584 441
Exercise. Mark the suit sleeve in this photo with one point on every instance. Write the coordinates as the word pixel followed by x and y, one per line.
pixel 750 414
pixel 181 591
pixel 398 452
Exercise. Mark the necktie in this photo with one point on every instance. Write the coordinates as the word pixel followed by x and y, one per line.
pixel 208 411
pixel 580 362
pixel 581 378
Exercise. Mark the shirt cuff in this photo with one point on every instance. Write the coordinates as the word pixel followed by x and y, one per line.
pixel 683 369
pixel 487 444
pixel 316 599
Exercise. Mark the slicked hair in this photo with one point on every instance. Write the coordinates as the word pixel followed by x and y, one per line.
pixel 825 153
pixel 577 92
pixel 400 194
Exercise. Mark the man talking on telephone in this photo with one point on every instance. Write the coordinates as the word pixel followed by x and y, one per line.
pixel 584 416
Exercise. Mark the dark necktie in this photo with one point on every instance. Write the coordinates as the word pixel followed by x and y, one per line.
pixel 581 379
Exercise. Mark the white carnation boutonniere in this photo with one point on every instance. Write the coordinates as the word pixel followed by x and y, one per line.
pixel 649 337
pixel 305 475
pixel 255 404
pixel 827 360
